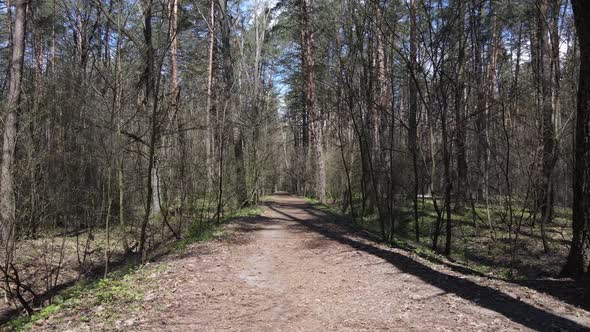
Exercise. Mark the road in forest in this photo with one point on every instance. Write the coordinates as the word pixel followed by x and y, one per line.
pixel 293 268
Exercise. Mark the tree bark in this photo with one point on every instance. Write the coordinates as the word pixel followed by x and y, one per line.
pixel 150 101
pixel 413 123
pixel 578 261
pixel 7 198
pixel 545 198
pixel 459 104
pixel 228 82
pixel 311 107
pixel 211 112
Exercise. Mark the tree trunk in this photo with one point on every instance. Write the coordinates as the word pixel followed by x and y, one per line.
pixel 211 112
pixel 545 199
pixel 447 180
pixel 413 123
pixel 7 198
pixel 459 109
pixel 228 81
pixel 150 101
pixel 478 183
pixel 311 107
pixel 578 261
pixel 180 119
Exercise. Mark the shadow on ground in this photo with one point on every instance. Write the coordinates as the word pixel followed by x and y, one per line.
pixel 483 296
pixel 566 290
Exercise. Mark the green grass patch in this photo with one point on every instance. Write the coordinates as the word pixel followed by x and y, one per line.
pixel 199 232
pixel 25 323
pixel 251 211
pixel 310 200
pixel 324 207
pixel 206 231
pixel 328 208
pixel 117 287
pixel 475 245
pixel 110 290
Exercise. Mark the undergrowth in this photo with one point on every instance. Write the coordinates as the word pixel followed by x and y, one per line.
pixel 474 252
pixel 119 287
pixel 206 231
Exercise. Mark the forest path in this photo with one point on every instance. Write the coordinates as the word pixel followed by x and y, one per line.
pixel 294 269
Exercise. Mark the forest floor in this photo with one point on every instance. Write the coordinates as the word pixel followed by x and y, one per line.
pixel 296 267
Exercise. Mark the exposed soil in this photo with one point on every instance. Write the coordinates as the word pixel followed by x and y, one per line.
pixel 295 269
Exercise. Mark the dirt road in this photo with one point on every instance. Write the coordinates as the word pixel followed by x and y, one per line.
pixel 292 269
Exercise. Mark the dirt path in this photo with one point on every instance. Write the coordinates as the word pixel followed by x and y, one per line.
pixel 293 270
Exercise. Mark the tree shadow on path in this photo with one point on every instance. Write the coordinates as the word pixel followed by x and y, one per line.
pixel 483 296
pixel 566 290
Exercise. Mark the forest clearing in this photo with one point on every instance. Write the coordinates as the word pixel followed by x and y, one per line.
pixel 295 165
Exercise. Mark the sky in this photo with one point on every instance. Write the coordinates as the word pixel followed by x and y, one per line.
pixel 257 6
